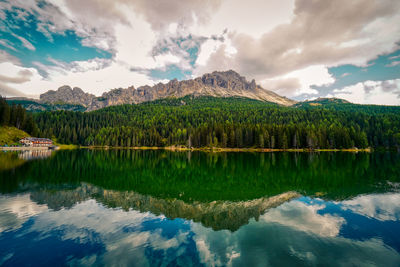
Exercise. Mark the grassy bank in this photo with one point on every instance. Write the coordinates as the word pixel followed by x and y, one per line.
pixel 11 135
pixel 219 149
pixel 66 147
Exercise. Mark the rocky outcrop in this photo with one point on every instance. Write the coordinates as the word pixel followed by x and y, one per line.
pixel 218 84
pixel 65 94
pixel 218 215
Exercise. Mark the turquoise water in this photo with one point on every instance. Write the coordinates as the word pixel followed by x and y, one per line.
pixel 160 208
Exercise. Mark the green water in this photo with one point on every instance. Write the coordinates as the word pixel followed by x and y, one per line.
pixel 129 207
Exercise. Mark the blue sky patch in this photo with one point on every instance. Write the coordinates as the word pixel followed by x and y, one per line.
pixel 385 67
pixel 188 47
pixel 170 72
pixel 358 226
pixel 65 47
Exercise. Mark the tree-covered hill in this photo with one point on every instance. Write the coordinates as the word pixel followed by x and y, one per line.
pixel 226 122
pixel 33 105
pixel 14 120
pixel 344 105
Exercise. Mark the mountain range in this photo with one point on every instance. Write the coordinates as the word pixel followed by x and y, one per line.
pixel 217 84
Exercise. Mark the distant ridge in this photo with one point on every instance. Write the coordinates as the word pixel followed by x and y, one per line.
pixel 217 84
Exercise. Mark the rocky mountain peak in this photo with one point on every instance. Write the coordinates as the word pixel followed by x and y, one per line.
pixel 218 83
pixel 228 79
pixel 77 90
pixel 66 94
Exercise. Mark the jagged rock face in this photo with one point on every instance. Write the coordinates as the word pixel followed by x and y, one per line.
pixel 65 94
pixel 218 215
pixel 218 84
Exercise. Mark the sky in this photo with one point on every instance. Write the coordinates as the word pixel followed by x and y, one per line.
pixel 302 49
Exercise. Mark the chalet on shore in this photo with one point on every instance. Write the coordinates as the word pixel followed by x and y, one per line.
pixel 36 142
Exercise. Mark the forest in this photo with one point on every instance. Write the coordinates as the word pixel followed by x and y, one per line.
pixel 17 116
pixel 226 122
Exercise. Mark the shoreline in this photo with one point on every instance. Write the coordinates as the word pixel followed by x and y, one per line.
pixel 219 149
pixel 183 149
pixel 21 148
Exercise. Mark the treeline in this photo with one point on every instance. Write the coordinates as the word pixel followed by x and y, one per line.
pixel 16 116
pixel 224 122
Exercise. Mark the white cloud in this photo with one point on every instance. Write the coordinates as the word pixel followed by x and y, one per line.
pixel 253 17
pixel 304 217
pixel 319 34
pixel 393 63
pixel 206 49
pixel 94 76
pixel 285 46
pixel 15 210
pixel 134 43
pixel 300 81
pixel 371 92
pixel 79 222
pixel 383 207
pixel 13 76
pixel 294 229
pixel 164 59
pixel 220 48
pixel 7 44
pixel 25 42
pixel 130 30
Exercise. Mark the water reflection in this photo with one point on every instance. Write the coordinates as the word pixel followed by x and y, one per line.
pixel 208 177
pixel 34 154
pixel 302 231
pixel 157 208
pixel 216 214
pixel 9 160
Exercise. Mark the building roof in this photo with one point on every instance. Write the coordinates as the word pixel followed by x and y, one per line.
pixel 36 139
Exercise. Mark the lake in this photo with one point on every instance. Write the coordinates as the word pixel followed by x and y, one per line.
pixel 161 208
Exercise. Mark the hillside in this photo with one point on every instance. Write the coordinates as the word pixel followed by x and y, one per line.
pixel 11 135
pixel 230 122
pixel 35 105
pixel 217 84
pixel 322 102
pixel 344 105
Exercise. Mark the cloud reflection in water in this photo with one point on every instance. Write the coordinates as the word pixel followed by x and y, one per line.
pixel 303 231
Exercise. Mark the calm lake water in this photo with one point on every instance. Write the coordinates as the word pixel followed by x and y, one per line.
pixel 160 208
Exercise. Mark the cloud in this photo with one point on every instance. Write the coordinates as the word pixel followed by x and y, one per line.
pixel 86 75
pixel 12 75
pixel 22 77
pixel 124 235
pixel 221 50
pixel 299 81
pixel 6 57
pixel 393 63
pixel 371 92
pixel 25 42
pixel 381 207
pixel 304 217
pixel 160 14
pixel 7 44
pixel 121 27
pixel 6 90
pixel 286 46
pixel 16 210
pixel 284 86
pixel 292 234
pixel 253 17
pixel 320 33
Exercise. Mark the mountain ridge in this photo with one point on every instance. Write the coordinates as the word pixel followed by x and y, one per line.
pixel 219 84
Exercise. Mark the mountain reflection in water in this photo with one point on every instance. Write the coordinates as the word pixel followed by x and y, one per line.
pixel 150 208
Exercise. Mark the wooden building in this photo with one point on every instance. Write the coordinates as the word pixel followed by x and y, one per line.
pixel 36 142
